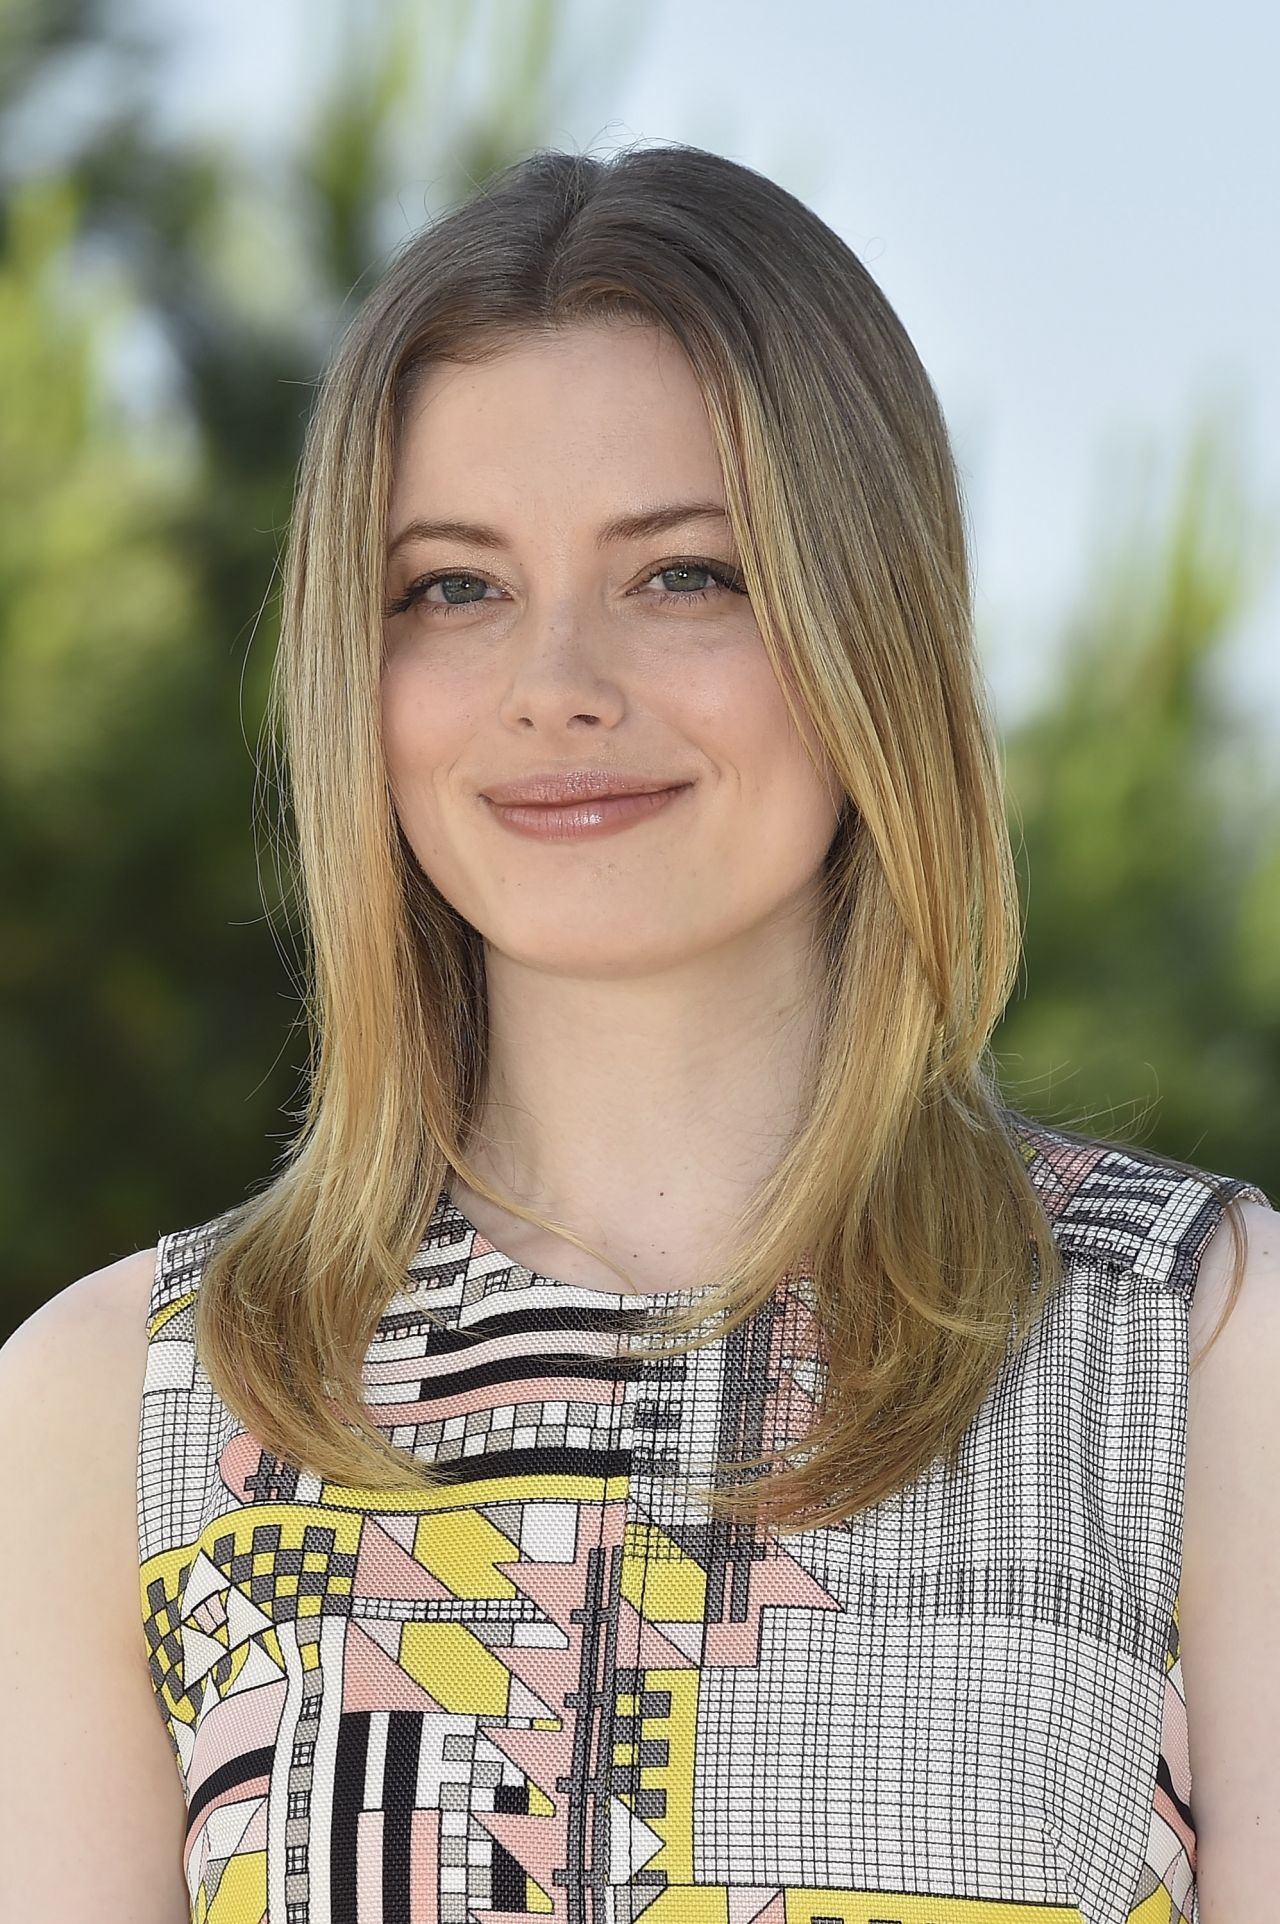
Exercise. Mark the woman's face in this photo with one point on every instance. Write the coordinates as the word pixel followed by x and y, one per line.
pixel 549 643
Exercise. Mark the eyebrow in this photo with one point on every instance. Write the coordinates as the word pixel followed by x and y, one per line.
pixel 623 527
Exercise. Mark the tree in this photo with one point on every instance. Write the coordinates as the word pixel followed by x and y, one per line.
pixel 1144 812
pixel 149 1025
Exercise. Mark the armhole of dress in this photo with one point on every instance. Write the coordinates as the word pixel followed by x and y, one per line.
pixel 1172 1255
pixel 1153 1222
pixel 1173 1241
pixel 164 1462
pixel 159 1278
pixel 1175 1245
pixel 151 1500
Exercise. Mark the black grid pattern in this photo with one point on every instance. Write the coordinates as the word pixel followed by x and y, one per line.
pixel 977 1714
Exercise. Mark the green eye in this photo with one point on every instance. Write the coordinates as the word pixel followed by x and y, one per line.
pixel 723 579
pixel 726 579
pixel 415 594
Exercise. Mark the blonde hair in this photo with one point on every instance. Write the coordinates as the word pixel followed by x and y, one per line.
pixel 903 1206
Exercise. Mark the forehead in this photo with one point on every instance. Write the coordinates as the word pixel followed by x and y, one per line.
pixel 584 402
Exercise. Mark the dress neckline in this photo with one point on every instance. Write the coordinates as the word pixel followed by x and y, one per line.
pixel 504 1272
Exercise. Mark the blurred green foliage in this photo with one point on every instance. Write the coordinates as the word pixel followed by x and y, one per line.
pixel 150 1048
pixel 1145 808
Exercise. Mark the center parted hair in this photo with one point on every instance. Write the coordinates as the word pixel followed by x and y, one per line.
pixel 901 1223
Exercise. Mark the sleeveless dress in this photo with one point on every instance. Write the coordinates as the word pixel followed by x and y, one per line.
pixel 553 1688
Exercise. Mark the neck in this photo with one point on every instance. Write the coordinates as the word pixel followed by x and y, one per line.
pixel 643 1111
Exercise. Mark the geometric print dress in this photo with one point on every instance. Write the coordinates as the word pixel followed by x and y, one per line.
pixel 553 1687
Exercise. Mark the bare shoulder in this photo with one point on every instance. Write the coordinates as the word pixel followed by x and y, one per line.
pixel 1262 1230
pixel 113 1298
pixel 70 1401
pixel 91 1801
pixel 1229 1592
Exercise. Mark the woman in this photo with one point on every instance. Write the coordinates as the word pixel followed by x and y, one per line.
pixel 669 1444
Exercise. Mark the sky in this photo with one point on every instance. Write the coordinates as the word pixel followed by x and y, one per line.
pixel 1073 209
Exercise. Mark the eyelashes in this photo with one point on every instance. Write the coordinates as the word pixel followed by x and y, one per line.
pixel 727 580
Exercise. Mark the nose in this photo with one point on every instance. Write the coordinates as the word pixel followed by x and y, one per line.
pixel 560 665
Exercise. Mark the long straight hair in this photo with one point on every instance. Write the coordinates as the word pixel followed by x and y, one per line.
pixel 902 1215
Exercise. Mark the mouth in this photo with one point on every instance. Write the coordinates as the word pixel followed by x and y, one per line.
pixel 586 815
pixel 565 787
pixel 592 798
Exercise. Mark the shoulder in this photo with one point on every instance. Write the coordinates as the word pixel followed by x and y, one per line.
pixel 97 1321
pixel 99 1318
pixel 71 1381
pixel 1229 1597
pixel 1258 1303
pixel 1126 1207
pixel 1233 1411
pixel 95 1762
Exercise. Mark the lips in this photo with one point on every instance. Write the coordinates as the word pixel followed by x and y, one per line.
pixel 558 787
pixel 579 820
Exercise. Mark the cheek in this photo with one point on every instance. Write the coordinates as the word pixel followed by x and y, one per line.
pixel 415 732
pixel 747 714
pixel 396 703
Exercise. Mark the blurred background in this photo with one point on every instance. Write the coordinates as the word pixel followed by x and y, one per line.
pixel 1072 210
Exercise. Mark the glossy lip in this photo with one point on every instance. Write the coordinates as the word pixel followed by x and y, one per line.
pixel 576 785
pixel 581 820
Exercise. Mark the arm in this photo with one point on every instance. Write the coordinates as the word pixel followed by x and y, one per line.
pixel 1229 1613
pixel 92 1812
